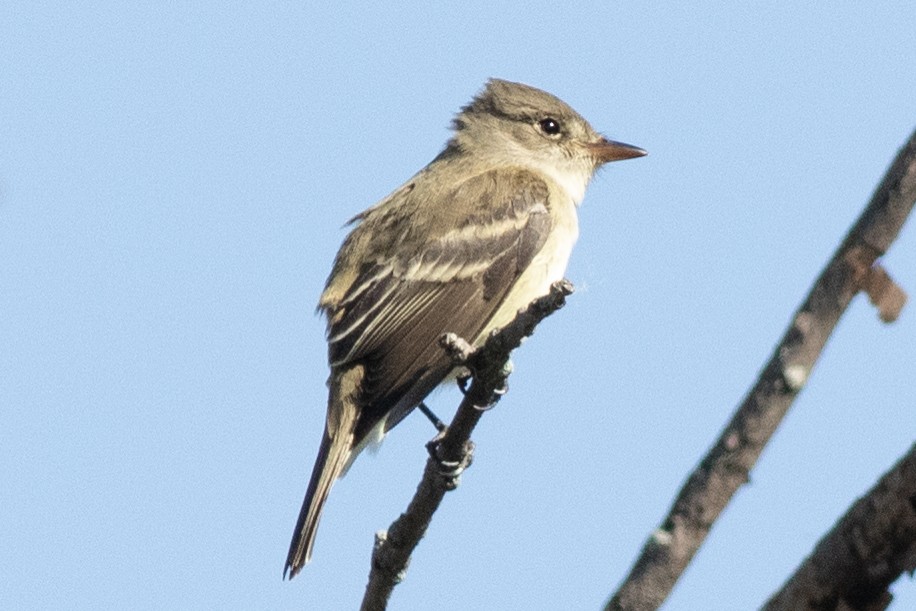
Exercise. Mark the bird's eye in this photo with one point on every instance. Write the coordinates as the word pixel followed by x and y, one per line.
pixel 549 126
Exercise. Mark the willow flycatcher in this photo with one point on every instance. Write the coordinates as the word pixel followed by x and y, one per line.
pixel 473 237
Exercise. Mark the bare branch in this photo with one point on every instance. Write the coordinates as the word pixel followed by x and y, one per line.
pixel 867 550
pixel 450 452
pixel 726 467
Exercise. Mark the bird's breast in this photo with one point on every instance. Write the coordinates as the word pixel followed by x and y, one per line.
pixel 547 266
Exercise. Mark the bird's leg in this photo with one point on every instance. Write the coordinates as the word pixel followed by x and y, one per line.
pixel 440 426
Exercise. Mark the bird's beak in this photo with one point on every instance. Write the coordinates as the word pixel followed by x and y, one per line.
pixel 605 150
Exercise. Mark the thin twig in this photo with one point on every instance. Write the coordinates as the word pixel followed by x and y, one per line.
pixel 450 452
pixel 725 468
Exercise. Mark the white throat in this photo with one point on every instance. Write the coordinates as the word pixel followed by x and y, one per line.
pixel 572 178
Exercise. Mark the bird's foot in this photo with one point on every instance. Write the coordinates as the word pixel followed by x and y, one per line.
pixel 451 470
pixel 495 397
pixel 464 381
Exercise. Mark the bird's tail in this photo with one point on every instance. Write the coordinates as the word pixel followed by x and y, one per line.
pixel 333 458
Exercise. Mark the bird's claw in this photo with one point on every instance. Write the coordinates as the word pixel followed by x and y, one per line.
pixel 451 470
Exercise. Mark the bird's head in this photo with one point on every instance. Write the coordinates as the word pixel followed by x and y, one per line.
pixel 515 124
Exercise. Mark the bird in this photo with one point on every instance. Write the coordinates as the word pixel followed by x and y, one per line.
pixel 476 235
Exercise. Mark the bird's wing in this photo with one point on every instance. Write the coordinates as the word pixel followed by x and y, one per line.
pixel 391 316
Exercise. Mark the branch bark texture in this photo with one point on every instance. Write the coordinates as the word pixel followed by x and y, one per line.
pixel 868 549
pixel 450 452
pixel 727 465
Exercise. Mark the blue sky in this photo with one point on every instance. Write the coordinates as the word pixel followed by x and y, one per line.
pixel 173 182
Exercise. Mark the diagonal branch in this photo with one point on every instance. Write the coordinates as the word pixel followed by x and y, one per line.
pixel 450 452
pixel 726 467
pixel 867 550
